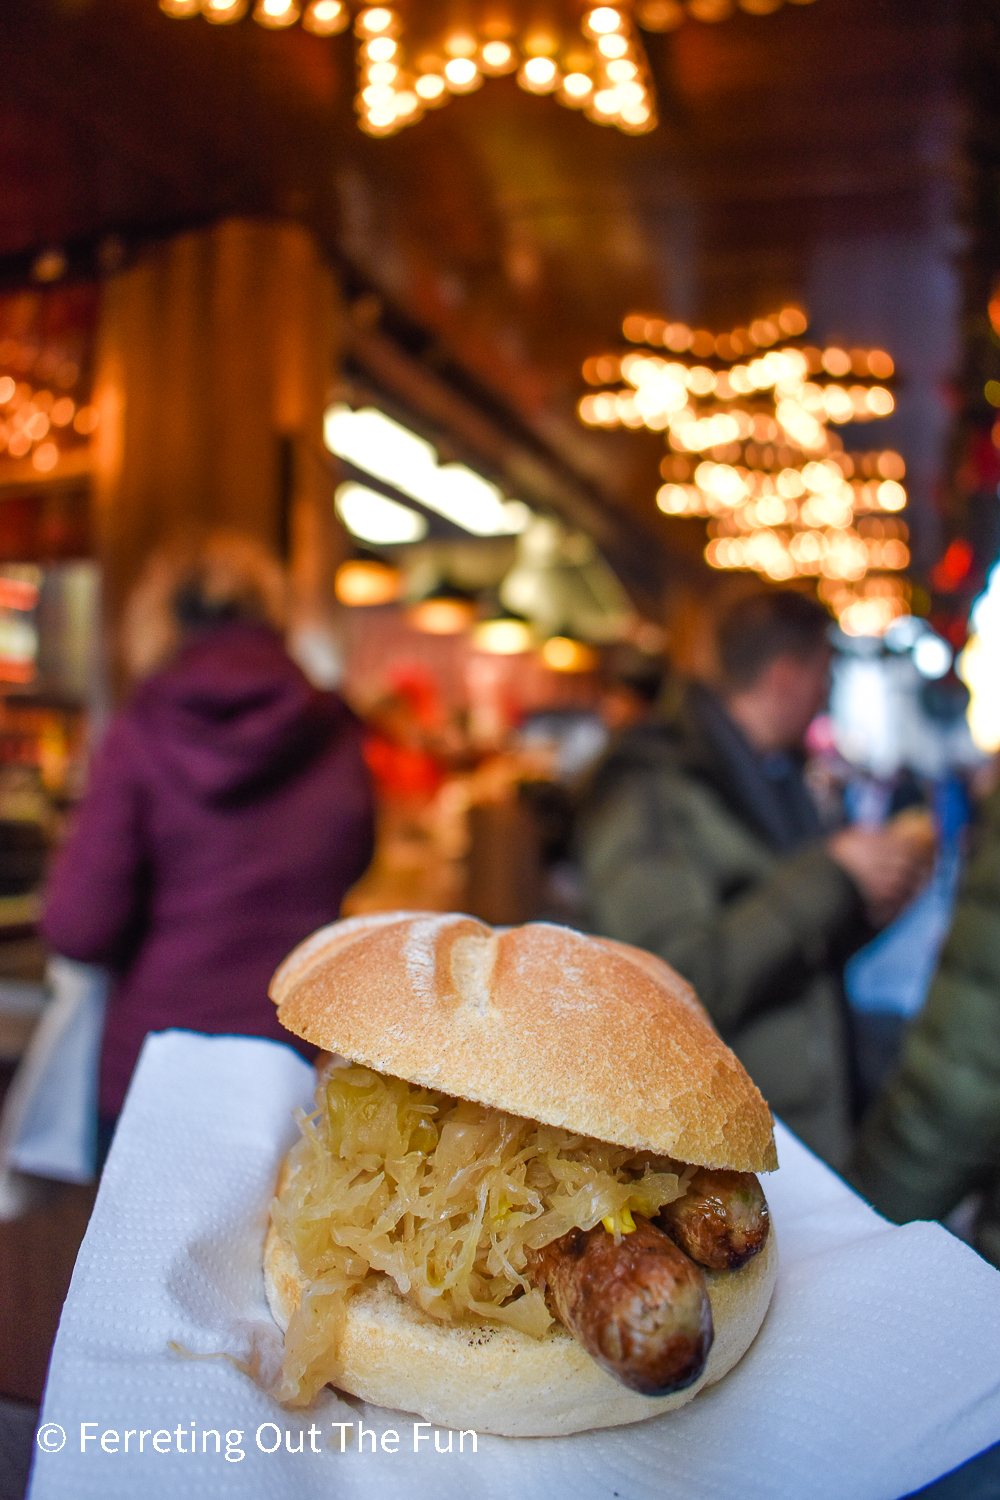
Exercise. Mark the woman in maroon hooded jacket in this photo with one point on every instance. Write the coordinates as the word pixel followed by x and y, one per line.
pixel 228 811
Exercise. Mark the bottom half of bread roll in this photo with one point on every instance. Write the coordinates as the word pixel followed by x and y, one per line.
pixel 493 1378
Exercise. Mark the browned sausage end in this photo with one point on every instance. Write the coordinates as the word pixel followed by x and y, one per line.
pixel 722 1221
pixel 640 1307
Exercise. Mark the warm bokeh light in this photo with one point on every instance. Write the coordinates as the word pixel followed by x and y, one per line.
pixel 836 361
pixel 442 616
pixel 563 654
pixel 326 17
pixel 577 85
pixel 621 70
pixel 276 13
pixel 660 15
pixel 769 471
pixel 430 86
pixel 601 55
pixel 376 20
pixel 460 44
pixel 498 57
pixel 222 12
pixel 603 20
pixel 362 582
pixel 503 637
pixel 461 74
pixel 45 458
pixel 539 74
pixel 86 420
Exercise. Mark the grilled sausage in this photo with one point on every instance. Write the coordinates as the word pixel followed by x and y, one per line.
pixel 722 1220
pixel 640 1308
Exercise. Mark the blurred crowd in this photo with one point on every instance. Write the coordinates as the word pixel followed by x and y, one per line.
pixel 232 807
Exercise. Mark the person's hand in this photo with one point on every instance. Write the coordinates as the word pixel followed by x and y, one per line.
pixel 888 864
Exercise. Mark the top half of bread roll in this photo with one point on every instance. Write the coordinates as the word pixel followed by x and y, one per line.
pixel 540 1021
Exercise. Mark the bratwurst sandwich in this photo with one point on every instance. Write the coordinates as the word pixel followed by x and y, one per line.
pixel 526 1201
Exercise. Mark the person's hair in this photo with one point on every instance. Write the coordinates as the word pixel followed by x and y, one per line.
pixel 640 672
pixel 757 630
pixel 194 582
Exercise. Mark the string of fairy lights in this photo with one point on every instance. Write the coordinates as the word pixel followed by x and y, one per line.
pixel 409 63
pixel 750 420
pixel 43 416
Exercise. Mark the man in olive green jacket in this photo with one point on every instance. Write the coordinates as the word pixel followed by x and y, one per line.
pixel 933 1136
pixel 700 843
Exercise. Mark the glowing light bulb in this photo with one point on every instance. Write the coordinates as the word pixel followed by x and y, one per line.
pixel 602 20
pixel 630 94
pixel 222 12
pixel 461 74
pixel 577 85
pixel 880 401
pixel 276 13
pixel 381 121
pixel 620 70
pixel 376 20
pixel 891 496
pixel 430 86
pixel 539 75
pixel 380 49
pixel 326 17
pixel 612 46
pixel 360 583
pixel 562 654
pixel 836 361
pixel 503 637
pixel 498 56
pixel 460 44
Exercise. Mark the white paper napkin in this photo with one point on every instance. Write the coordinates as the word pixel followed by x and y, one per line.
pixel 877 1368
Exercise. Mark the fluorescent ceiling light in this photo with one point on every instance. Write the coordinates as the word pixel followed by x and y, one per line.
pixel 376 518
pixel 371 441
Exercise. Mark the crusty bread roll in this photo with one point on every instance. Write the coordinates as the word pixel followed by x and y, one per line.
pixel 539 1021
pixel 542 1022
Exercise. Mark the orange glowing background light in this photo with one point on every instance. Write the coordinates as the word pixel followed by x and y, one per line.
pixel 749 419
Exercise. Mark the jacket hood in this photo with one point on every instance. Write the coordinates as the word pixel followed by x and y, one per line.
pixel 232 713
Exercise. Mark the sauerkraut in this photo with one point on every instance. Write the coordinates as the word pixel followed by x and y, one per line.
pixel 446 1198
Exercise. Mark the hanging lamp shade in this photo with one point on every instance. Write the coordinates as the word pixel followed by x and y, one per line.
pixel 506 634
pixel 444 611
pixel 362 582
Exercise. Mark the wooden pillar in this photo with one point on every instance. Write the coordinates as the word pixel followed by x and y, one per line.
pixel 215 357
